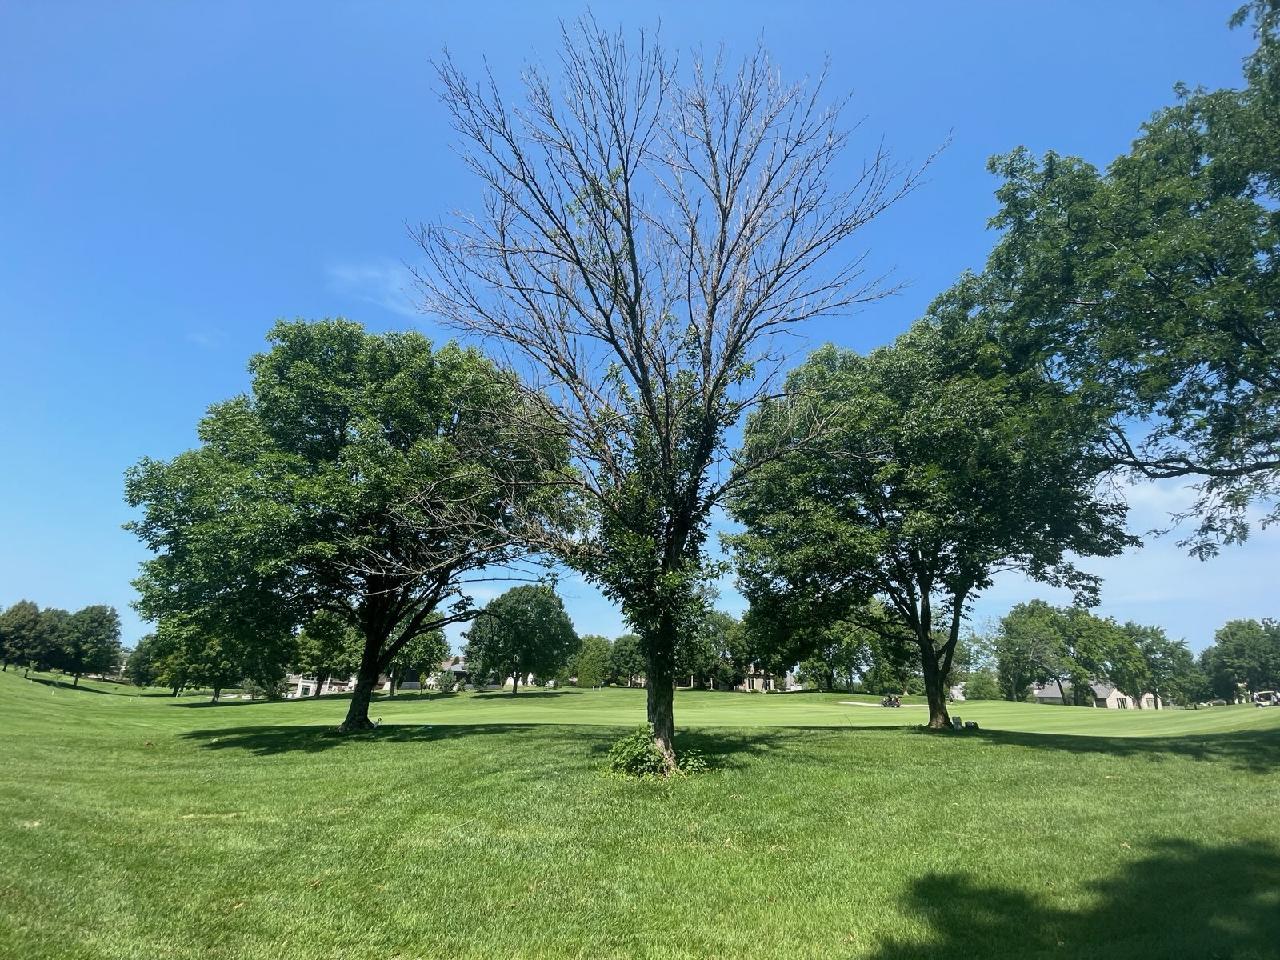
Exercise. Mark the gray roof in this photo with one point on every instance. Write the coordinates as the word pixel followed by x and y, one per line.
pixel 1100 690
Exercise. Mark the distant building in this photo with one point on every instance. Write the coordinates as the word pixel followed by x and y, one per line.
pixel 756 680
pixel 1104 695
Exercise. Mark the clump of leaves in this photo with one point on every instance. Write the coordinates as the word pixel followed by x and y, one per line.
pixel 636 755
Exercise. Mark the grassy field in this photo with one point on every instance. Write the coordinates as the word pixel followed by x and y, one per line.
pixel 484 826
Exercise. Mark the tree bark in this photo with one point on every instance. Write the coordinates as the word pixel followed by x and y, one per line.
pixel 660 689
pixel 934 680
pixel 76 682
pixel 366 679
pixel 515 683
pixel 320 679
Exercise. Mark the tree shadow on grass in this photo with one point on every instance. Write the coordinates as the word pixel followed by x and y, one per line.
pixel 67 685
pixel 271 740
pixel 1177 899
pixel 724 750
pixel 1255 751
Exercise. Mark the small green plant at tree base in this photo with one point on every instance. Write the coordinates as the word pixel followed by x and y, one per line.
pixel 635 755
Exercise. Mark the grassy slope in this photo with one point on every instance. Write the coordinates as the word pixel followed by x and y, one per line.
pixel 482 826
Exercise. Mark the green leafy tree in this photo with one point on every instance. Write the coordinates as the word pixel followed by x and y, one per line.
pixel 1028 649
pixel 943 459
pixel 328 646
pixel 421 656
pixel 140 666
pixel 524 631
pixel 1245 654
pixel 709 649
pixel 645 236
pixel 591 663
pixel 91 642
pixel 982 685
pixel 363 475
pixel 1169 670
pixel 626 660
pixel 21 634
pixel 51 639
pixel 1151 288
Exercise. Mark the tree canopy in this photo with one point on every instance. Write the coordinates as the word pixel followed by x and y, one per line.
pixel 943 459
pixel 1151 287
pixel 363 475
pixel 523 632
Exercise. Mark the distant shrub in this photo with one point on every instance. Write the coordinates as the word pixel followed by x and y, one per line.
pixel 981 685
pixel 264 691
pixel 446 681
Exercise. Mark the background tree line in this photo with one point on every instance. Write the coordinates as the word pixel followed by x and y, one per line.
pixel 84 642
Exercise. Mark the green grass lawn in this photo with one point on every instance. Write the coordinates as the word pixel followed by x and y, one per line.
pixel 483 826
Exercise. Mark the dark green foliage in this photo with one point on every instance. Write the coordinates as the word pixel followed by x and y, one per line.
pixel 711 651
pixel 419 657
pixel 140 666
pixel 90 642
pixel 363 475
pixel 919 471
pixel 590 665
pixel 626 660
pixel 524 631
pixel 328 646
pixel 1150 288
pixel 23 634
pixel 636 755
pixel 1245 655
pixel 982 685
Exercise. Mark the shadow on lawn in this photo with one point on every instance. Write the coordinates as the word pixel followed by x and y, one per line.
pixel 724 750
pixel 1180 899
pixel 67 685
pixel 1257 751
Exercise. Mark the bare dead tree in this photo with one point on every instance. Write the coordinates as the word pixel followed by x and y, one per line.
pixel 645 236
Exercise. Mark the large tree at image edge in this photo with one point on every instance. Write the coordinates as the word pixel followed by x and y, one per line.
pixel 643 235
pixel 1154 284
pixel 944 460
pixel 363 476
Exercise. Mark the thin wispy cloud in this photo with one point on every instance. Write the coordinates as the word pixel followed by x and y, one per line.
pixel 384 283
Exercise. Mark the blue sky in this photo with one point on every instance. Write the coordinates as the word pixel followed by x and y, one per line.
pixel 176 176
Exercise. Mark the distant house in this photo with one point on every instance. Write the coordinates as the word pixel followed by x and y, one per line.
pixel 298 685
pixel 455 665
pixel 756 680
pixel 1104 695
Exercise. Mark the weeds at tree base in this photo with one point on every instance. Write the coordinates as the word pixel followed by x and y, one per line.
pixel 636 755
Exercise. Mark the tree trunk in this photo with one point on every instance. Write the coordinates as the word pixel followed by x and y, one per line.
pixel 320 679
pixel 176 690
pixel 515 683
pixel 76 682
pixel 660 689
pixel 934 690
pixel 366 679
pixel 216 691
pixel 1062 694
